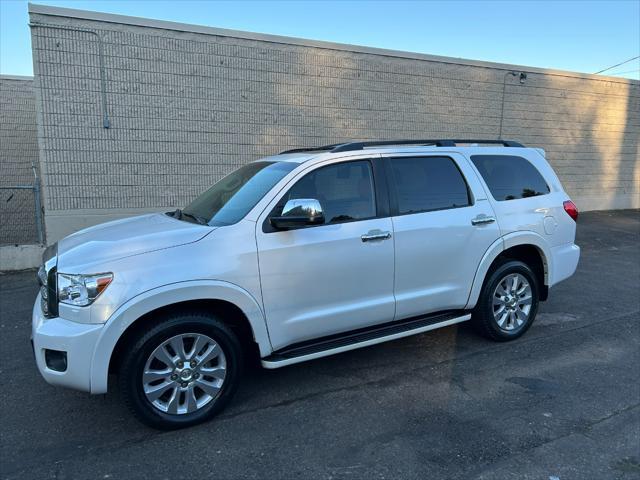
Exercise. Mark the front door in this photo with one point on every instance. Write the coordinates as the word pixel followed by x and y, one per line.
pixel 325 279
pixel 443 225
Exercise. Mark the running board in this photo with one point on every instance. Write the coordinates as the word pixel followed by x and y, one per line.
pixel 325 346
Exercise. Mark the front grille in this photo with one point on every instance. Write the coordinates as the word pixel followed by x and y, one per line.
pixel 44 291
pixel 52 292
pixel 48 283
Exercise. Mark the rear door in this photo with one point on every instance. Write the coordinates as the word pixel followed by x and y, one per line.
pixel 443 225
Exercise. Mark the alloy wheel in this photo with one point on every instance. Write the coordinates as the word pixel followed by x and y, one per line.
pixel 512 300
pixel 184 373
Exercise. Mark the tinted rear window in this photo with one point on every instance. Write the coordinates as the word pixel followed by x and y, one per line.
pixel 428 183
pixel 510 177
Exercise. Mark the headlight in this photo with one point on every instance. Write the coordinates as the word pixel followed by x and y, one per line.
pixel 82 290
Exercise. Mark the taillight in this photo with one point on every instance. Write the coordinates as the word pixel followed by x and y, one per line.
pixel 571 209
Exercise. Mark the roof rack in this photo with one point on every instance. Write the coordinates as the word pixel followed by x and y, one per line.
pixel 351 146
pixel 311 149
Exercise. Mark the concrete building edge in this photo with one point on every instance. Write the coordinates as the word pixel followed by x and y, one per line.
pixel 201 29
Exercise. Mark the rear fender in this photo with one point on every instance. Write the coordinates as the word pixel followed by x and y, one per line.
pixel 499 246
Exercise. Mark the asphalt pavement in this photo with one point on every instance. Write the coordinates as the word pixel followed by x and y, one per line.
pixel 563 402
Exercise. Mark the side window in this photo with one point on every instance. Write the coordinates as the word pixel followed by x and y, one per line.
pixel 428 183
pixel 345 191
pixel 510 177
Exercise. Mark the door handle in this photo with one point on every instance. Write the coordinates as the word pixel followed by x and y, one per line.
pixel 375 235
pixel 482 220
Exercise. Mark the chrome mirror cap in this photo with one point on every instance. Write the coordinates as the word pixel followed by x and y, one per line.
pixel 299 212
pixel 302 207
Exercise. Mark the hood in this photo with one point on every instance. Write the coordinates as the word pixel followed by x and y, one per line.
pixel 125 238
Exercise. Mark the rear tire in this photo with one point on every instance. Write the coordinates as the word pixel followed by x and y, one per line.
pixel 193 358
pixel 508 302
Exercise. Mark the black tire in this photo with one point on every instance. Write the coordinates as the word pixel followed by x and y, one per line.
pixel 483 314
pixel 136 355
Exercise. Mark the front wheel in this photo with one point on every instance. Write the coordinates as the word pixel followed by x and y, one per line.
pixel 182 371
pixel 508 302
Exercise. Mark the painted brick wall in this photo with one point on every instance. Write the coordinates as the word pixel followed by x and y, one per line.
pixel 186 108
pixel 18 152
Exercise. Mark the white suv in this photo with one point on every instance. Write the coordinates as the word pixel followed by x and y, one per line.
pixel 298 256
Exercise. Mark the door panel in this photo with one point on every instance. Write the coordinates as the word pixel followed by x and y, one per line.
pixel 437 252
pixel 325 280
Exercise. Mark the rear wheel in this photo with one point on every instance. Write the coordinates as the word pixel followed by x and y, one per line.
pixel 181 372
pixel 508 302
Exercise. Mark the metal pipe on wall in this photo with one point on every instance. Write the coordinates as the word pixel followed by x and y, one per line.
pixel 103 82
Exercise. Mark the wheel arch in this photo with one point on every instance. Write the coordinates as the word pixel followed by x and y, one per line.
pixel 242 310
pixel 526 246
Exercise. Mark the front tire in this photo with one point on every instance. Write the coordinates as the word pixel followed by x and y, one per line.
pixel 508 302
pixel 182 372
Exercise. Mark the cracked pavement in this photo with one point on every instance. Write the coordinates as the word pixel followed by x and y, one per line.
pixel 562 402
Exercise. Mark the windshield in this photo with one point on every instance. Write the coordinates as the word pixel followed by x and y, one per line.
pixel 232 197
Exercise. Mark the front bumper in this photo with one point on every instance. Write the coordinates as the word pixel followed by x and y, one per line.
pixel 78 340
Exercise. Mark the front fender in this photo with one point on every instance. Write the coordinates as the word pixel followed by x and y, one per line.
pixel 502 244
pixel 153 299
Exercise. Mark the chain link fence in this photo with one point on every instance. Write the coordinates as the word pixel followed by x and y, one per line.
pixel 21 214
pixel 20 201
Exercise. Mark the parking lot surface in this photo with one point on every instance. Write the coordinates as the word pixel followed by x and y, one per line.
pixel 562 402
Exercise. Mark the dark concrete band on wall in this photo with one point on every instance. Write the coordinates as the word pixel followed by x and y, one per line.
pixel 185 104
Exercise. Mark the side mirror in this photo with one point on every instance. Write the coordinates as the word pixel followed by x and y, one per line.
pixel 298 213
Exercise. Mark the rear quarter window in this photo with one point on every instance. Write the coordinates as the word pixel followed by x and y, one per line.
pixel 510 177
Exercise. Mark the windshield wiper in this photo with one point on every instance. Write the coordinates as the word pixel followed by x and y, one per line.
pixel 198 219
pixel 178 214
